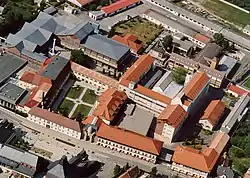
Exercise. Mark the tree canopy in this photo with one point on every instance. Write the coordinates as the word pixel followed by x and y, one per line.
pixel 167 42
pixel 220 40
pixel 179 75
pixel 15 13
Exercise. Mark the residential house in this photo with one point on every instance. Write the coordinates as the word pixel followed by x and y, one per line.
pixel 237 91
pixel 212 115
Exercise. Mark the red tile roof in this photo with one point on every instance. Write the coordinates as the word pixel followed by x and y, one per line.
pixel 195 85
pixel 94 75
pixel 132 172
pixel 108 104
pixel 173 115
pixel 202 38
pixel 138 68
pixel 129 40
pixel 214 111
pixel 34 79
pixel 238 90
pixel 130 139
pixel 84 2
pixel 89 120
pixel 118 5
pixel 55 118
pixel 201 160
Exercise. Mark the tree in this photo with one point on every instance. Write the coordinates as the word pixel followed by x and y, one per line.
pixel 42 5
pixel 153 172
pixel 77 56
pixel 117 170
pixel 126 167
pixel 218 38
pixel 104 2
pixel 179 75
pixel 167 42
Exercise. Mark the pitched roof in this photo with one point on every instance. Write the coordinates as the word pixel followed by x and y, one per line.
pixel 201 160
pixel 173 115
pixel 195 85
pixel 129 40
pixel 238 90
pixel 138 68
pixel 214 111
pixel 130 139
pixel 92 120
pixel 84 2
pixel 55 118
pixel 108 104
pixel 132 172
pixel 34 79
pixel 94 75
pixel 109 47
pixel 202 38
pixel 118 5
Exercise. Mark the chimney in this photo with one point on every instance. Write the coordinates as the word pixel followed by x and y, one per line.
pixel 54 44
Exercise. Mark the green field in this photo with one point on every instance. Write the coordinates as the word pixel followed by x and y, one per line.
pixel 75 92
pixel 82 109
pixel 227 12
pixel 246 84
pixel 89 97
pixel 65 107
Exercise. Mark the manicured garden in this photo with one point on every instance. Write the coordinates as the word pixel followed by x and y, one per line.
pixel 89 97
pixel 145 30
pixel 66 107
pixel 75 92
pixel 246 84
pixel 82 110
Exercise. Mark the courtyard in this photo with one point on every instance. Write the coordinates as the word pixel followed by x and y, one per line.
pixel 79 101
pixel 145 30
pixel 246 84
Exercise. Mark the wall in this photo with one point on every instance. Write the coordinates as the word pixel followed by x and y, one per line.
pixel 188 171
pixel 54 126
pixel 127 150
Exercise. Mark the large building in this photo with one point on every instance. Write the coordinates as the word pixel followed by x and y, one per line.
pixel 170 24
pixel 55 122
pixel 198 163
pixel 212 114
pixel 19 163
pixel 169 122
pixel 217 77
pixel 128 142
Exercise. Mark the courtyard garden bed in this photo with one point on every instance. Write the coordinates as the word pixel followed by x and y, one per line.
pixel 75 92
pixel 89 97
pixel 65 107
pixel 81 109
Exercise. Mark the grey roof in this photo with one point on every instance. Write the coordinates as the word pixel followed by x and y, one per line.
pixel 55 67
pixel 172 23
pixel 226 64
pixel 11 93
pixel 225 171
pixel 14 157
pixel 50 10
pixel 105 46
pixel 30 37
pixel 81 31
pixel 37 56
pixel 9 65
pixel 167 86
pixel 184 45
pixel 139 122
pixel 236 114
pixel 247 27
pixel 210 51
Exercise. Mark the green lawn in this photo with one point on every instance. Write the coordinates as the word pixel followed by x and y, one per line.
pixel 145 30
pixel 66 107
pixel 89 97
pixel 246 84
pixel 227 12
pixel 82 109
pixel 75 92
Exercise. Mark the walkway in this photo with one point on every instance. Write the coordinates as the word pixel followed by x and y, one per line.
pixel 79 101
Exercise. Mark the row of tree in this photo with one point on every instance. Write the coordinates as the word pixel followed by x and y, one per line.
pixel 241 3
